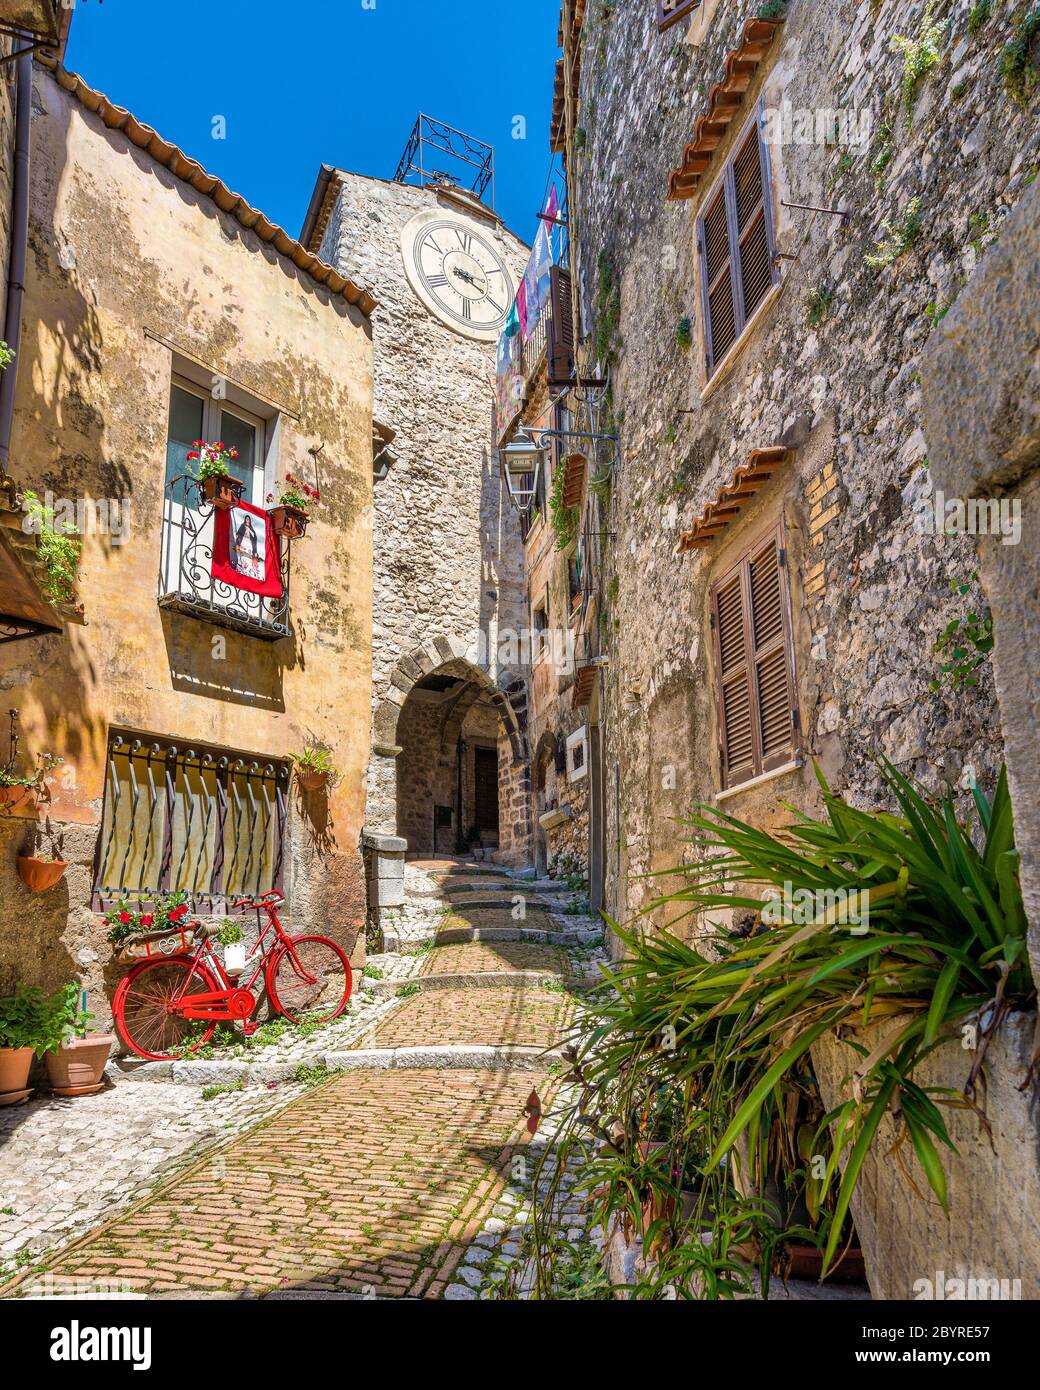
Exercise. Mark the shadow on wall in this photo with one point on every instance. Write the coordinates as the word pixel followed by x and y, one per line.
pixel 58 444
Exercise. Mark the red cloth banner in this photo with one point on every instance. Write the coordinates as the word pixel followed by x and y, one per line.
pixel 245 551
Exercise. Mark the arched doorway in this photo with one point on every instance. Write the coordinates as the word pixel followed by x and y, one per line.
pixel 461 776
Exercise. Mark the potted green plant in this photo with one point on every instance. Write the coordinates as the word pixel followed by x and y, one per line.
pixel 14 789
pixel 291 512
pixel 75 1057
pixel 41 871
pixel 21 1035
pixel 232 938
pixel 315 769
pixel 212 472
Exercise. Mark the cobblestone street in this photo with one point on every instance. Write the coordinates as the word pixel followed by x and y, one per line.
pixel 387 1180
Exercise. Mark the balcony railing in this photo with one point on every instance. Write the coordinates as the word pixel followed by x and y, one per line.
pixel 552 341
pixel 186 580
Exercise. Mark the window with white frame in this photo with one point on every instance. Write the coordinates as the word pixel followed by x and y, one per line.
pixel 578 754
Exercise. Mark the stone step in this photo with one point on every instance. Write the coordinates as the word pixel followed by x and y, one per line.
pixel 485 979
pixel 590 935
pixel 462 903
pixel 462 1057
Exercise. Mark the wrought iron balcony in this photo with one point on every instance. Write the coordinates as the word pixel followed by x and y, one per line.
pixel 186 580
pixel 552 340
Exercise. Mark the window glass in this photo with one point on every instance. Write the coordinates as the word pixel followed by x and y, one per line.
pixel 236 433
pixel 186 415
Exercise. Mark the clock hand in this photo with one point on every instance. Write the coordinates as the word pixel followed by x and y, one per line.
pixel 466 275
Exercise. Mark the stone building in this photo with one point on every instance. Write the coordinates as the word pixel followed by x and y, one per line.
pixel 773 208
pixel 160 307
pixel 449 695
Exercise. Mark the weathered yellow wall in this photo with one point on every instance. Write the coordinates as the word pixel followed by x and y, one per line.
pixel 125 260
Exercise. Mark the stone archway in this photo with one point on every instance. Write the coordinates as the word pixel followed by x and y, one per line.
pixel 459 697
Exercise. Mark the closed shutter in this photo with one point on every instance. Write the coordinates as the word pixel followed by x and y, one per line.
pixel 737 741
pixel 718 280
pixel 751 619
pixel 737 248
pixel 561 328
pixel 756 256
pixel 669 12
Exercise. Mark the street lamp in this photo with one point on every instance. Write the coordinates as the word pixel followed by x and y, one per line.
pixel 522 465
pixel 522 460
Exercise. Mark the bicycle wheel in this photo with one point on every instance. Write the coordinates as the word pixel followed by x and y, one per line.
pixel 310 977
pixel 142 1013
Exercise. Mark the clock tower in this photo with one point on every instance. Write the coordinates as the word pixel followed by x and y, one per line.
pixel 448 686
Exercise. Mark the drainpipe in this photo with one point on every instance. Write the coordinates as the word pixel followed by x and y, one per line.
pixel 19 241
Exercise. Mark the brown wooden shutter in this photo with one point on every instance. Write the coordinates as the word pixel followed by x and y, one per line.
pixel 669 12
pixel 770 639
pixel 734 688
pixel 561 328
pixel 755 252
pixel 721 331
pixel 737 248
pixel 751 618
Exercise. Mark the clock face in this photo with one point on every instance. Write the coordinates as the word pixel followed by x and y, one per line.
pixel 458 274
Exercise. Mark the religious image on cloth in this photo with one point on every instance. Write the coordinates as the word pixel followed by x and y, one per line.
pixel 245 551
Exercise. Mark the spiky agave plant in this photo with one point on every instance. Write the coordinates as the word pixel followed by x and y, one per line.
pixel 729 1023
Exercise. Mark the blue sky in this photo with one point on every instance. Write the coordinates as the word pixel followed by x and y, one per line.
pixel 328 81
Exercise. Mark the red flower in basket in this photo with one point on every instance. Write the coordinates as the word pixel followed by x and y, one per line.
pixel 178 913
pixel 147 920
pixel 126 918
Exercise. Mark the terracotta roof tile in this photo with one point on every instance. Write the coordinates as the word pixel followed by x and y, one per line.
pixel 191 172
pixel 724 102
pixel 747 479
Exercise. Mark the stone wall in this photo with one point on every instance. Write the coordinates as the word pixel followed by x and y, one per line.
pixel 870 594
pixel 841 388
pixel 447 549
pixel 129 267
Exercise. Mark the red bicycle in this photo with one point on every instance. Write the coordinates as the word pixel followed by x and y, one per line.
pixel 158 1006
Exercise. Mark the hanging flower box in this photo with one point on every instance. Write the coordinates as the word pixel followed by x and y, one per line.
pixel 290 522
pixel 11 796
pixel 222 491
pixel 40 874
pixel 315 769
pixel 212 474
pixel 290 515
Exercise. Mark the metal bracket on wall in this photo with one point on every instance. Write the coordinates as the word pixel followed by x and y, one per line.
pixel 809 207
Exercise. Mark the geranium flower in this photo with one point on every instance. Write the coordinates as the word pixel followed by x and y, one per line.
pixel 126 918
pixel 147 920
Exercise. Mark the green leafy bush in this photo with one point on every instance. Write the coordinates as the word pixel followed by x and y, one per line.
pixel 57 548
pixel 725 1024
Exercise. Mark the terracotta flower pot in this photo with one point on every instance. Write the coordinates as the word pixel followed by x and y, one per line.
pixel 311 780
pixel 222 490
pixel 289 522
pixel 40 874
pixel 11 797
pixel 78 1069
pixel 806 1262
pixel 14 1073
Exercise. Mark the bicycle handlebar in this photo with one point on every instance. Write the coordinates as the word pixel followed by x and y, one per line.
pixel 271 899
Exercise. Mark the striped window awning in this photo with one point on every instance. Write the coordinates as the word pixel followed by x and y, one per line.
pixel 724 103
pixel 748 479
